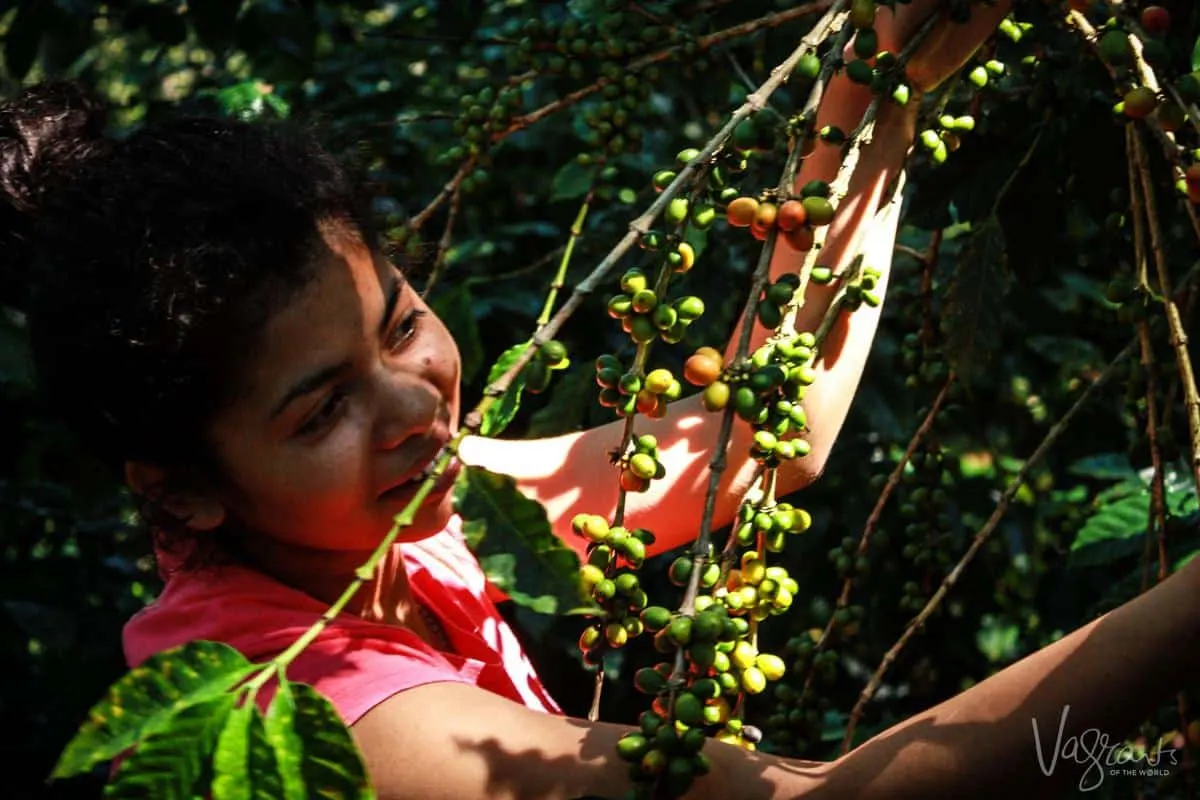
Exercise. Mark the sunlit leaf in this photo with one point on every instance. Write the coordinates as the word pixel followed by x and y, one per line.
pixel 501 412
pixel 173 762
pixel 244 767
pixel 145 700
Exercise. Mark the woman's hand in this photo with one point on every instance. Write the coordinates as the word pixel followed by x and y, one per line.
pixel 949 45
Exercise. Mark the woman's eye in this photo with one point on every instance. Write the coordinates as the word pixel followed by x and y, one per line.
pixel 405 329
pixel 325 414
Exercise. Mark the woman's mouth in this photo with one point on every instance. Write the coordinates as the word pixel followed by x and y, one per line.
pixel 403 492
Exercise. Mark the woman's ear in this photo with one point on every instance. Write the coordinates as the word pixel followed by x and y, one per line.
pixel 198 510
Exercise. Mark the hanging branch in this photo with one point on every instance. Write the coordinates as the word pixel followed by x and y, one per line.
pixel 876 513
pixel 464 169
pixel 1157 512
pixel 833 19
pixel 439 262
pixel 1179 339
pixel 918 622
pixel 1157 522
pixel 771 20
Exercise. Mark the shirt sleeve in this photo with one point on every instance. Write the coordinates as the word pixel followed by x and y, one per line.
pixel 358 672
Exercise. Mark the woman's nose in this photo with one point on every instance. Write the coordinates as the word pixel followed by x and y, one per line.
pixel 405 405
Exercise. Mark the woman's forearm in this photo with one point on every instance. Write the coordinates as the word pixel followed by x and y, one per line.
pixel 1099 681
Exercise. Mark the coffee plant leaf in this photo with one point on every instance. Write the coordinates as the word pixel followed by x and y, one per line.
pixel 1196 55
pixel 146 699
pixel 280 728
pixel 501 412
pixel 1104 466
pixel 571 181
pixel 455 307
pixel 1114 531
pixel 174 762
pixel 974 311
pixel 501 571
pixel 244 765
pixel 500 521
pixel 330 764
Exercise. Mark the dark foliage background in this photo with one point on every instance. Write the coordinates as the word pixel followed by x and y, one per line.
pixel 1029 225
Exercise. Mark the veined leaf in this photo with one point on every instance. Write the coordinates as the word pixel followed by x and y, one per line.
pixel 974 307
pixel 330 764
pixel 244 766
pixel 1113 532
pixel 1104 466
pixel 172 763
pixel 285 740
pixel 501 412
pixel 146 698
pixel 499 521
pixel 572 181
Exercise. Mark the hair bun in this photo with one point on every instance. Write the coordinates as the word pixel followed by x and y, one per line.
pixel 46 132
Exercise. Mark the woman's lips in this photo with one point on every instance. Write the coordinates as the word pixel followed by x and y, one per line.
pixel 406 490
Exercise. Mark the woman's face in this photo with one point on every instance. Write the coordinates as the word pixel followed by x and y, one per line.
pixel 353 390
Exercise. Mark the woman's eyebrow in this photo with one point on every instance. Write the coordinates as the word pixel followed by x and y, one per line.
pixel 311 383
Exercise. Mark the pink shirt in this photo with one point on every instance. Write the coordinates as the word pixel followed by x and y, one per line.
pixel 355 663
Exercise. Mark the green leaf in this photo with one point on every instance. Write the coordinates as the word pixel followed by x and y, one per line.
pixel 456 308
pixel 500 521
pixel 285 741
pixel 1196 55
pixel 1113 532
pixel 1104 466
pixel 974 301
pixel 330 764
pixel 501 571
pixel 573 180
pixel 173 762
pixel 501 412
pixel 244 767
pixel 146 698
pixel 250 100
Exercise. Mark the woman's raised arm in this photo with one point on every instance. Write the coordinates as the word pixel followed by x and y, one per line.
pixel 561 472
pixel 457 741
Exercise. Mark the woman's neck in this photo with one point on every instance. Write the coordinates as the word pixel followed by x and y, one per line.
pixel 325 575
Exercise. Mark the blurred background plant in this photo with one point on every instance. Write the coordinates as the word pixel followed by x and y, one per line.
pixel 481 126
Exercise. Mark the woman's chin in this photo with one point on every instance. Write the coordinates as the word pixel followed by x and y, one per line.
pixel 431 518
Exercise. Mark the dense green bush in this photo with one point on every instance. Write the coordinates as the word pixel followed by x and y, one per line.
pixel 1013 272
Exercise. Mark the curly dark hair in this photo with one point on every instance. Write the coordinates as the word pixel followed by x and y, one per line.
pixel 148 265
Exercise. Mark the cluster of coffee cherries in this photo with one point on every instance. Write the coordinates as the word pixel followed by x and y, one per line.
pixel 766 392
pixel 721 664
pixel 641 465
pixel 629 393
pixel 646 316
pixel 550 357
pixel 796 219
pixel 616 591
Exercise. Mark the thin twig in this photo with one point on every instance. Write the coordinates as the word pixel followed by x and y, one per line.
pixel 876 513
pixel 918 622
pixel 701 43
pixel 1179 339
pixel 771 20
pixel 464 169
pixel 439 261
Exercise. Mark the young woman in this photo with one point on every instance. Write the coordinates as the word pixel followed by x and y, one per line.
pixel 213 312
